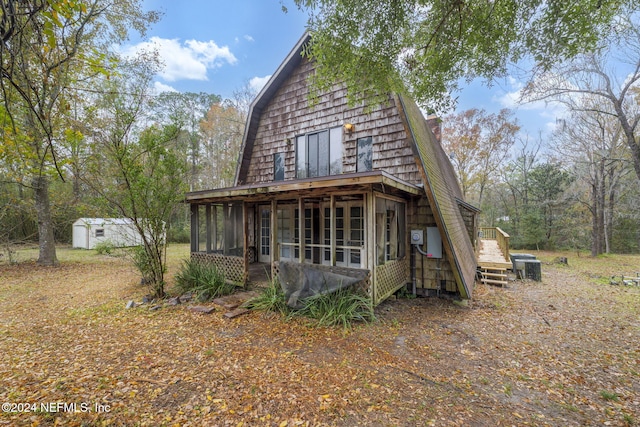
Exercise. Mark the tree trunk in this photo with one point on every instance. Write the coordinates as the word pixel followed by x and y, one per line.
pixel 47 254
pixel 595 214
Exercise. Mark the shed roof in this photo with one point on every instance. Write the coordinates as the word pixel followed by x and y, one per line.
pixel 103 221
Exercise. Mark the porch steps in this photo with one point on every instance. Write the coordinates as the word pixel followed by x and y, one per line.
pixel 493 276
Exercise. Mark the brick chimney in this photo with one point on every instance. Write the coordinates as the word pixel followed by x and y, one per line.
pixel 435 124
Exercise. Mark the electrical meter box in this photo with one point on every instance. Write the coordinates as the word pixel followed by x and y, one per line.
pixel 417 237
pixel 434 243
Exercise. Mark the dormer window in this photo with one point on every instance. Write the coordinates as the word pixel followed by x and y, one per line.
pixel 319 153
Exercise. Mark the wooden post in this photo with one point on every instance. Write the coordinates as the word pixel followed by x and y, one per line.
pixel 369 243
pixel 274 235
pixel 275 253
pixel 245 243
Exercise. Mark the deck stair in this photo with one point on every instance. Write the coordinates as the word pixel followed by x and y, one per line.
pixel 493 256
pixel 493 275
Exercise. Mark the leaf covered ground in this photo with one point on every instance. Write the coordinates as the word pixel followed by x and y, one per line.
pixel 565 351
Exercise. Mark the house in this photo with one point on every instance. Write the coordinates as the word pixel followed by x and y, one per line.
pixel 119 232
pixel 341 187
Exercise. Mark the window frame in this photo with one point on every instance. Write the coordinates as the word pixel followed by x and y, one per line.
pixel 327 153
pixel 278 166
pixel 364 164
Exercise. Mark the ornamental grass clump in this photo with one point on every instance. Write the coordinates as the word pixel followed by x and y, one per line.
pixel 271 299
pixel 340 308
pixel 203 279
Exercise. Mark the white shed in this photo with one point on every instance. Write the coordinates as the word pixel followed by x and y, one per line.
pixel 120 232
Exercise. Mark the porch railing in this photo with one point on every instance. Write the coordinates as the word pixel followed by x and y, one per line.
pixel 495 233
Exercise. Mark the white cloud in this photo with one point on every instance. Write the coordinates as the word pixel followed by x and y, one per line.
pixel 248 38
pixel 185 61
pixel 257 83
pixel 161 87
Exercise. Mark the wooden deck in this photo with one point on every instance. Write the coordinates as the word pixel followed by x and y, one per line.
pixel 491 255
pixel 492 261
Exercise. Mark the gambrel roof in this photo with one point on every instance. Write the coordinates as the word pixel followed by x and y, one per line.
pixel 285 69
pixel 436 172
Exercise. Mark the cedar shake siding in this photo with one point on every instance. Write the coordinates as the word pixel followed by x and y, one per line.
pixel 289 115
pixel 365 178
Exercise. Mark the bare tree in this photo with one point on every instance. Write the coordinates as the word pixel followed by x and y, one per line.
pixel 604 84
pixel 592 144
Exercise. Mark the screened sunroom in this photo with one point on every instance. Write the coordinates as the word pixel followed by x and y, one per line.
pixel 355 221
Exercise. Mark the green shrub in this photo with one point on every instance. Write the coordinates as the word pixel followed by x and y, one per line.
pixel 339 308
pixel 105 247
pixel 203 279
pixel 270 299
pixel 146 265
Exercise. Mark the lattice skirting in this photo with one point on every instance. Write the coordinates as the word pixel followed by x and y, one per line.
pixel 231 266
pixel 389 278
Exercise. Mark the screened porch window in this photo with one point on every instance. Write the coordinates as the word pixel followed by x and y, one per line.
pixel 390 230
pixel 319 153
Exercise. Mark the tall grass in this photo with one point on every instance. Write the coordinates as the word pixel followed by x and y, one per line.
pixel 339 308
pixel 270 299
pixel 203 279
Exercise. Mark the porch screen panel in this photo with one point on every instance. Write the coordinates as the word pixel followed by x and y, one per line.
pixel 202 228
pixel 296 233
pixel 265 231
pixel 326 257
pixel 308 234
pixel 390 230
pixel 340 237
pixel 286 233
pixel 234 231
pixel 356 234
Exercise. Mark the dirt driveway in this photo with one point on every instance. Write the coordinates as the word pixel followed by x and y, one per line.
pixel 563 352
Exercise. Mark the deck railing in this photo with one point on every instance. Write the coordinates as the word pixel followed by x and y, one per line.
pixel 495 233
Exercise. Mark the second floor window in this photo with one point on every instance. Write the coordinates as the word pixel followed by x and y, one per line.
pixel 319 153
pixel 365 154
pixel 278 167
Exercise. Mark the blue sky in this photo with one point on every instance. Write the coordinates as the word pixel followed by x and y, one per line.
pixel 220 46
